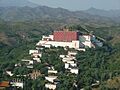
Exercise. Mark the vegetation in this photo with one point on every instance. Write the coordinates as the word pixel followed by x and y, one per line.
pixel 96 64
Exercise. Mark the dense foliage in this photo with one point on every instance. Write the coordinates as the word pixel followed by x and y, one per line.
pixel 96 64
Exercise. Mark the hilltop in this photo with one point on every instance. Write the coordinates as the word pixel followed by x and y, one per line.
pixel 17 3
pixel 14 13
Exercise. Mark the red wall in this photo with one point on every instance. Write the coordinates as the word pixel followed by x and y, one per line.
pixel 65 35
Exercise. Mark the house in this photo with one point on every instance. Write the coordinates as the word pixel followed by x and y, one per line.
pixel 28 62
pixel 65 59
pixel 50 37
pixel 73 64
pixel 18 84
pixel 51 86
pixel 36 55
pixel 33 51
pixel 51 78
pixel 50 67
pixel 47 45
pixel 62 56
pixel 18 65
pixel 71 39
pixel 70 64
pixel 96 84
pixel 52 71
pixel 74 70
pixel 81 49
pixel 37 59
pixel 9 73
pixel 70 53
pixel 72 44
pixel 66 65
pixel 30 66
pixel 4 85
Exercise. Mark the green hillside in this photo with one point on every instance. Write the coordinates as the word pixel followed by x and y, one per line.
pixel 16 38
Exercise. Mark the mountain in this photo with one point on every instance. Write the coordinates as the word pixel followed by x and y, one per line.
pixel 22 10
pixel 44 12
pixel 105 13
pixel 18 3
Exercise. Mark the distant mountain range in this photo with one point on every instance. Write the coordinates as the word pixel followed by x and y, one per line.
pixel 21 10
pixel 43 12
pixel 105 13
pixel 17 3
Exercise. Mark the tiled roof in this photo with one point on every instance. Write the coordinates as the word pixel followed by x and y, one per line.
pixel 4 84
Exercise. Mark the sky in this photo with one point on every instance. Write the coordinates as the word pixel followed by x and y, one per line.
pixel 80 4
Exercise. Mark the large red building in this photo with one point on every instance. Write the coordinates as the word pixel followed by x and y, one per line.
pixel 66 36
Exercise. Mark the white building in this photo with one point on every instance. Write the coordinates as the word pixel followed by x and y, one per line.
pixel 17 84
pixel 37 59
pixel 74 70
pixel 66 65
pixel 36 55
pixel 50 37
pixel 88 44
pixel 82 41
pixel 65 59
pixel 73 44
pixel 73 64
pixel 33 51
pixel 51 86
pixel 52 71
pixel 29 62
pixel 51 78
pixel 62 56
pixel 30 66
pixel 9 73
pixel 81 49
pixel 70 62
pixel 72 53
pixel 87 37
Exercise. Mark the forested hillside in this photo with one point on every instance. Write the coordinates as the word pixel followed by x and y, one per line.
pixel 23 29
pixel 43 12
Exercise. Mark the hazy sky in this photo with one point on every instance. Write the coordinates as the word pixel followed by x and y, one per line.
pixel 80 4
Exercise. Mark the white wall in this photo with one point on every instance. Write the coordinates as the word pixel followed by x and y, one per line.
pixel 65 59
pixel 47 37
pixel 87 43
pixel 52 71
pixel 73 44
pixel 50 86
pixel 62 56
pixel 75 71
pixel 18 84
pixel 66 65
pixel 9 73
pixel 37 54
pixel 33 51
pixel 37 59
pixel 51 78
pixel 87 37
pixel 72 53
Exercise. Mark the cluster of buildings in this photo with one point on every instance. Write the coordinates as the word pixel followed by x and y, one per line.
pixel 65 38
pixel 35 55
pixel 51 78
pixel 70 65
pixel 70 62
pixel 71 39
pixel 28 63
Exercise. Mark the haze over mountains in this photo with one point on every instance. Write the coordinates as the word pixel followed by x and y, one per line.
pixel 17 3
pixel 106 13
pixel 17 10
